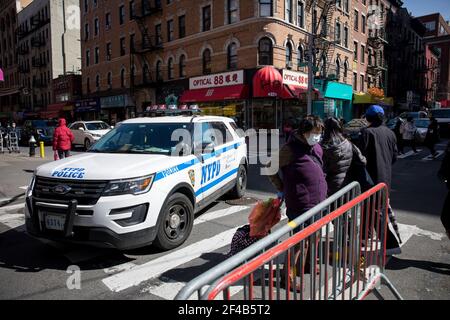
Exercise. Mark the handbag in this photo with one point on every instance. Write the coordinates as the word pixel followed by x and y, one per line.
pixel 358 172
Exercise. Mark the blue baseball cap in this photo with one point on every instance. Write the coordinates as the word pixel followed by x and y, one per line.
pixel 374 110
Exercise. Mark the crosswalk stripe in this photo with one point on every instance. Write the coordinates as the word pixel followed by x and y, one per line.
pixel 12 221
pixel 430 157
pixel 219 214
pixel 12 207
pixel 154 268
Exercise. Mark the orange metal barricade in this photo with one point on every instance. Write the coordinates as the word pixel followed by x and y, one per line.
pixel 339 257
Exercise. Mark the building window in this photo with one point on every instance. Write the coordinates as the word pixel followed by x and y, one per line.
pixel 158 71
pixel 122 78
pixel 355 51
pixel 346 37
pixel 206 18
pixel 288 11
pixel 361 83
pixel 145 74
pixel 169 30
pixel 96 55
pixel 337 33
pixel 265 52
pixel 108 51
pixel 339 3
pixel 356 20
pixel 96 27
pixel 301 14
pixel 170 69
pixel 338 69
pixel 158 34
pixel 86 31
pixel 265 8
pixel 109 79
pixel 346 7
pixel 323 63
pixel 132 10
pixel 132 43
pixel 122 46
pixel 182 66
pixel 363 53
pixel 233 7
pixel 232 57
pixel 182 26
pixel 288 55
pixel 299 56
pixel 345 71
pixel 363 24
pixel 207 61
pixel 97 83
pixel 122 14
pixel 88 85
pixel 108 21
pixel 355 81
pixel 86 6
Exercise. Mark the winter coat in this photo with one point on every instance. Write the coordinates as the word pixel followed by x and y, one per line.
pixel 337 159
pixel 379 145
pixel 63 137
pixel 409 129
pixel 303 182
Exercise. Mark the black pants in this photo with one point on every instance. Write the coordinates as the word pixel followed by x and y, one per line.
pixel 63 154
pixel 432 148
pixel 409 143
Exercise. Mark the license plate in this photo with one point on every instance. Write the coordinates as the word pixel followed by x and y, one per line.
pixel 55 222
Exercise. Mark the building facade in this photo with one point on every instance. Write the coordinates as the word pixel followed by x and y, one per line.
pixel 10 88
pixel 48 47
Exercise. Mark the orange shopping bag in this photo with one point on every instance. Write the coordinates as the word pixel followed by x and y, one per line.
pixel 264 216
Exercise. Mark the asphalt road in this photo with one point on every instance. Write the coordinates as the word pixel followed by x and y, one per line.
pixel 36 269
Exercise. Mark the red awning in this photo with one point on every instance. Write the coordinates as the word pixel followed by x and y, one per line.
pixel 268 82
pixel 56 106
pixel 49 114
pixel 236 92
pixel 295 92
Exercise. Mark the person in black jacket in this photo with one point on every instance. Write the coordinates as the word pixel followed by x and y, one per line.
pixel 444 174
pixel 432 136
pixel 338 154
pixel 379 145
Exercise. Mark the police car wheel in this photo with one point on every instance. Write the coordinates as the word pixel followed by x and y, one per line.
pixel 176 222
pixel 241 183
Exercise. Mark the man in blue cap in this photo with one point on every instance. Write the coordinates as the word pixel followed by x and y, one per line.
pixel 379 145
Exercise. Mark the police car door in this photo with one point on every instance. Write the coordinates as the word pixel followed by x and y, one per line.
pixel 219 157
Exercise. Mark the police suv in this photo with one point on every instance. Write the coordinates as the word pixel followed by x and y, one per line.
pixel 140 184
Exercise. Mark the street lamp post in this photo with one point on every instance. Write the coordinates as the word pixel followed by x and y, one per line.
pixel 311 53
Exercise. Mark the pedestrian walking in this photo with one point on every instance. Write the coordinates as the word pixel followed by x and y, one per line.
pixel 444 175
pixel 338 155
pixel 409 134
pixel 378 144
pixel 303 183
pixel 399 134
pixel 432 136
pixel 62 140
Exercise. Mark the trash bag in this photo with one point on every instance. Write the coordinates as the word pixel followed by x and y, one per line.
pixel 241 240
pixel 264 216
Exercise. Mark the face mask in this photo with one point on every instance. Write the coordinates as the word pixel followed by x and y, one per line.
pixel 313 139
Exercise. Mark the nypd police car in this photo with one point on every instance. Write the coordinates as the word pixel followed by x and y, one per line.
pixel 141 184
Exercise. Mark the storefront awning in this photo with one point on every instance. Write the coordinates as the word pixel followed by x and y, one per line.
pixel 49 114
pixel 56 106
pixel 336 90
pixel 268 83
pixel 236 92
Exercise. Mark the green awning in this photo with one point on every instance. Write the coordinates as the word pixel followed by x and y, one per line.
pixel 336 90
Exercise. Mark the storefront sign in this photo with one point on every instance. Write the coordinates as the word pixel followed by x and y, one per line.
pixel 298 79
pixel 113 102
pixel 87 105
pixel 217 80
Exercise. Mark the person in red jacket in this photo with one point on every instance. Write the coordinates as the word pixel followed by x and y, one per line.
pixel 62 140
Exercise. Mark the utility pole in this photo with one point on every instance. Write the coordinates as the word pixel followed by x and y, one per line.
pixel 311 60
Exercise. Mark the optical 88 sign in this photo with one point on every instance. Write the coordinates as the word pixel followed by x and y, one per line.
pixel 217 80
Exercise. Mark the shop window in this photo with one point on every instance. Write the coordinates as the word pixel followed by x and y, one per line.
pixel 207 61
pixel 265 52
pixel 183 66
pixel 232 56
pixel 170 69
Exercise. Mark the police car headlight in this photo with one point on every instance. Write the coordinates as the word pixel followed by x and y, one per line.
pixel 132 186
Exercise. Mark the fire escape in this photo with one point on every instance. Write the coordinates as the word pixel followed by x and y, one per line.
pixel 376 44
pixel 149 44
pixel 324 40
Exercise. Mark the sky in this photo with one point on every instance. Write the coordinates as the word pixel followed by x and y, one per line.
pixel 424 7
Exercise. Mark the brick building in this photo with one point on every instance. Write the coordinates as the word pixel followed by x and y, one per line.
pixel 10 87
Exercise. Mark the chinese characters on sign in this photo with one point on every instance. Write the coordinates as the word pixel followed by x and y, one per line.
pixel 217 80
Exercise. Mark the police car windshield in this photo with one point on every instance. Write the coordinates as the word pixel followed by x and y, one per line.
pixel 143 138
